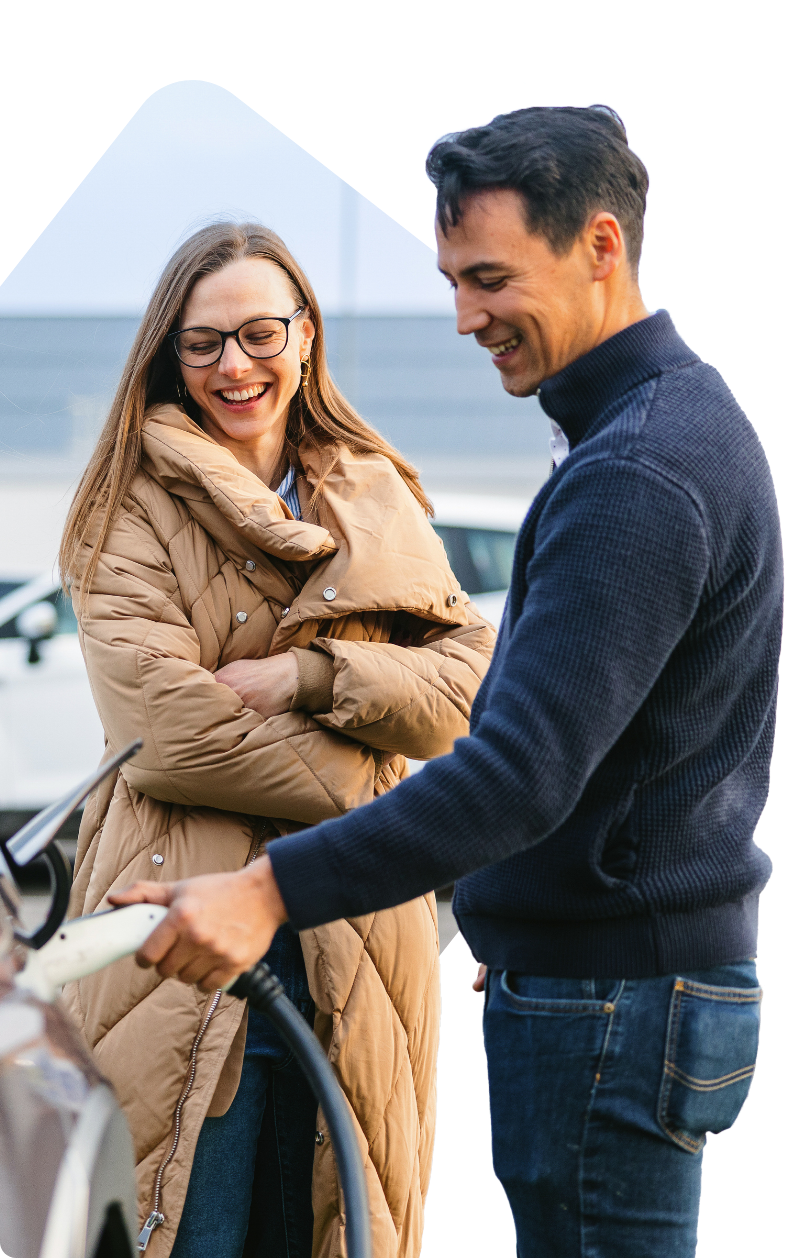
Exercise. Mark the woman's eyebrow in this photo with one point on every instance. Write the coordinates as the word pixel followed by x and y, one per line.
pixel 249 319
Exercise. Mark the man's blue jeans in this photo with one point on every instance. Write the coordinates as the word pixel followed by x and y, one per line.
pixel 602 1092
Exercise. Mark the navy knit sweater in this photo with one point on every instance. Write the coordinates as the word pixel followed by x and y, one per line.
pixel 620 744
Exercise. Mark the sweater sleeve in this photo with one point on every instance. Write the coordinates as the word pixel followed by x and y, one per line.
pixel 619 564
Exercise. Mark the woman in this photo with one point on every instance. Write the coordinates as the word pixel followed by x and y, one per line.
pixel 262 599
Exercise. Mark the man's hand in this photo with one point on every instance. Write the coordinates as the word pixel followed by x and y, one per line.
pixel 267 686
pixel 218 925
pixel 479 984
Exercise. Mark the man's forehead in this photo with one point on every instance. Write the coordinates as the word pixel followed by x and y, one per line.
pixel 487 237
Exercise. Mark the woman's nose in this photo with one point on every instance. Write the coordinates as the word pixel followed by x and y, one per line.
pixel 234 362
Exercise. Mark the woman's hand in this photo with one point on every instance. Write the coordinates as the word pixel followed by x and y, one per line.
pixel 267 686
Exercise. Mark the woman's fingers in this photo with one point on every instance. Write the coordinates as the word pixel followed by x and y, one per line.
pixel 265 686
pixel 233 674
pixel 479 984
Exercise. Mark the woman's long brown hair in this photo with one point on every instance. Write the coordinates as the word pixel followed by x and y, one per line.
pixel 318 411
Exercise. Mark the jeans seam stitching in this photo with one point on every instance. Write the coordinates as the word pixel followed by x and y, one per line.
pixel 679 1138
pixel 709 1085
pixel 587 1116
pixel 729 995
pixel 529 1005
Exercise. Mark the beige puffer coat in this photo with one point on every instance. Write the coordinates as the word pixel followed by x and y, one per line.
pixel 204 565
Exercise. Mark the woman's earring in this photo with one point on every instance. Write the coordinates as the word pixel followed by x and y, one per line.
pixel 306 365
pixel 182 394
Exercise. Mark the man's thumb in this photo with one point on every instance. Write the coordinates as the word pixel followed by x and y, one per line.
pixel 143 893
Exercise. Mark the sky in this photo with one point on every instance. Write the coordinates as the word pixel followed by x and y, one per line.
pixel 103 251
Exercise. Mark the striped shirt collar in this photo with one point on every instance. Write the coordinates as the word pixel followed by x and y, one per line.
pixel 287 490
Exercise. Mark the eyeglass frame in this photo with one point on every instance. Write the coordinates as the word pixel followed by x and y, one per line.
pixel 172 338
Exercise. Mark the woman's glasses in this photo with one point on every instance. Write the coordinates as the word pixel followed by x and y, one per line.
pixel 258 338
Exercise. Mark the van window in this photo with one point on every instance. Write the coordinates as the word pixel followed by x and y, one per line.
pixel 480 558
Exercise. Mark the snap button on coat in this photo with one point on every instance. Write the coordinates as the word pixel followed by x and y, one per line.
pixel 158 860
pixel 452 599
pixel 250 565
pixel 241 617
pixel 319 1137
pixel 330 593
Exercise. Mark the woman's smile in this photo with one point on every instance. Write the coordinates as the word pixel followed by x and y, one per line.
pixel 242 400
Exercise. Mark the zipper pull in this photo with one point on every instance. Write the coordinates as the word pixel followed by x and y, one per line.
pixel 154 1220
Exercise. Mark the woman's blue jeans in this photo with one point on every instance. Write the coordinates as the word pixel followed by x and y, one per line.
pixel 602 1092
pixel 250 1190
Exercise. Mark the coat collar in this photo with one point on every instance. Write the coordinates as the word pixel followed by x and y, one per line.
pixel 380 551
pixel 579 394
pixel 191 465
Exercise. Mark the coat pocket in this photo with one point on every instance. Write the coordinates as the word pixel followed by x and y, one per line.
pixel 709 1061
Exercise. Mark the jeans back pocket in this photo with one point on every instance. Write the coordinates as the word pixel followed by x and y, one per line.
pixel 711 1051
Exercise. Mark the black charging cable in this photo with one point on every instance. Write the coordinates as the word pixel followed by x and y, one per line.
pixel 265 993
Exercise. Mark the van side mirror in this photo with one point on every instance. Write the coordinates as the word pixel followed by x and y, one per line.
pixel 37 623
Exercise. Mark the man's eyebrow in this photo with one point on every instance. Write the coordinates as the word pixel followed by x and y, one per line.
pixel 477 267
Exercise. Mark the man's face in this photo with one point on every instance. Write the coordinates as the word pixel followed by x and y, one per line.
pixel 533 310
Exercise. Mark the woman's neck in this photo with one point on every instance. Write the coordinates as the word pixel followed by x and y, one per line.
pixel 264 455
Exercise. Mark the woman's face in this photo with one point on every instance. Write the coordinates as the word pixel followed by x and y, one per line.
pixel 249 289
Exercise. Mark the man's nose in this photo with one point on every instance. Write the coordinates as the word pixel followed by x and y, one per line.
pixel 470 315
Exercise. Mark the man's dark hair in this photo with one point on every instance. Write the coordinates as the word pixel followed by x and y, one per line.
pixel 566 163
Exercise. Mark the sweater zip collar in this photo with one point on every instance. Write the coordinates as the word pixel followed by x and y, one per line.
pixel 579 394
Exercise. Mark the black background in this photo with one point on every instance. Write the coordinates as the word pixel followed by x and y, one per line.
pixel 707 258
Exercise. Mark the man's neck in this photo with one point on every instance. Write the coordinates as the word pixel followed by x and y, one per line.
pixel 620 311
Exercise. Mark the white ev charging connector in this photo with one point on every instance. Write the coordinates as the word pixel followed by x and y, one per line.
pixel 86 944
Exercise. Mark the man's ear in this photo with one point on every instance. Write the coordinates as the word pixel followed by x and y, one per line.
pixel 605 245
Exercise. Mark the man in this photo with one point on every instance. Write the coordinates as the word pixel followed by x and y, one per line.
pixel 619 749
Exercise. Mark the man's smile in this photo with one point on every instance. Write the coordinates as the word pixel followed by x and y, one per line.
pixel 504 349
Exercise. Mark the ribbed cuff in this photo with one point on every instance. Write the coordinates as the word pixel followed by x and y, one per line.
pixel 314 690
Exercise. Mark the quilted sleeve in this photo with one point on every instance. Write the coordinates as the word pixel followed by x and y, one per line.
pixel 408 700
